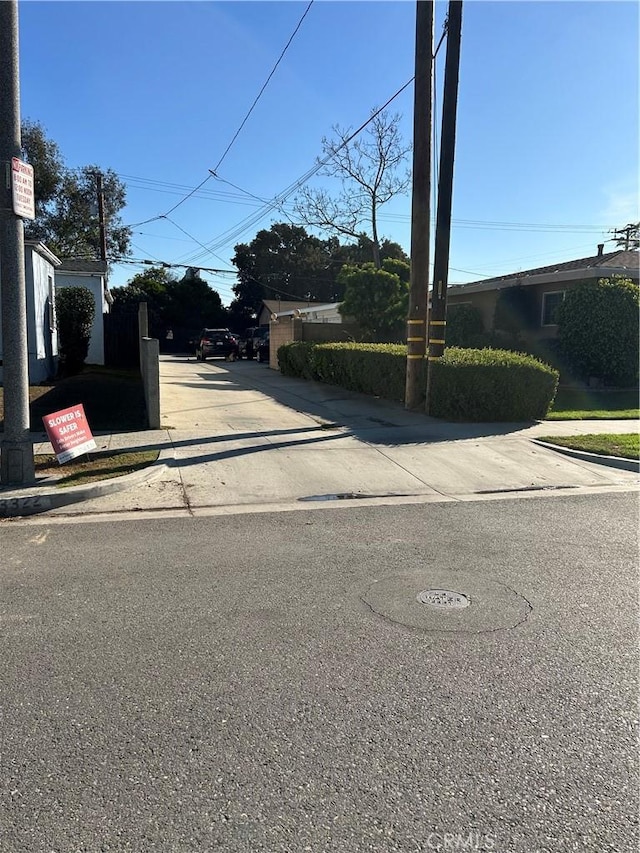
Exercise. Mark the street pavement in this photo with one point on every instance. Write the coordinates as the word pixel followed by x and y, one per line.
pixel 269 682
pixel 239 436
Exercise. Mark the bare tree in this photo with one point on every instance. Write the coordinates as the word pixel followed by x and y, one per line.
pixel 371 171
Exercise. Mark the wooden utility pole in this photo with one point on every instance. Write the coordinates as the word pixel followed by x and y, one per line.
pixel 420 204
pixel 437 317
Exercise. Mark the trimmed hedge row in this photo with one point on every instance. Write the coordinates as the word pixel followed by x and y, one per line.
pixel 468 385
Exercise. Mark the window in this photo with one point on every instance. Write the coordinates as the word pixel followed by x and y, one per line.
pixel 52 304
pixel 550 304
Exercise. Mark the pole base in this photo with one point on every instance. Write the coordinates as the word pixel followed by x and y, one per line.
pixel 16 464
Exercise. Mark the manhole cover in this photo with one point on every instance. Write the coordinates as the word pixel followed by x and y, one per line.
pixel 443 599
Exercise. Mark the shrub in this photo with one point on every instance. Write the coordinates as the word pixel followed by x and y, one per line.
pixel 377 299
pixel 75 310
pixel 491 385
pixel 598 330
pixel 464 322
pixel 468 385
pixel 295 359
pixel 515 310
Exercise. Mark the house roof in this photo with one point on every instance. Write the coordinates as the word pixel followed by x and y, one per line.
pixel 308 309
pixel 84 265
pixel 280 305
pixel 593 266
pixel 39 247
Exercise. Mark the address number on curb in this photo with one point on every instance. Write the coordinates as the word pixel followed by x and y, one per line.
pixel 23 506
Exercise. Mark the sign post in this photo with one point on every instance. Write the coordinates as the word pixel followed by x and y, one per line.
pixel 69 433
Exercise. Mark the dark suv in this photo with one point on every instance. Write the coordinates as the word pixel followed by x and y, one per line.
pixel 251 340
pixel 217 343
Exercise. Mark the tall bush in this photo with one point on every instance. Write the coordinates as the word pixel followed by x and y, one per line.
pixel 468 384
pixel 377 299
pixel 598 330
pixel 75 310
pixel 464 324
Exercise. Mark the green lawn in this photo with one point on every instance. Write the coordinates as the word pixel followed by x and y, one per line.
pixel 627 445
pixel 573 404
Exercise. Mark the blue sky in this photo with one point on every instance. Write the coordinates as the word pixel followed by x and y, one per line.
pixel 548 122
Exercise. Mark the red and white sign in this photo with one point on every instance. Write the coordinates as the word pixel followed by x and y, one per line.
pixel 22 187
pixel 69 433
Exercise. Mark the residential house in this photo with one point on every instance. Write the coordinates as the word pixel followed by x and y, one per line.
pixel 42 338
pixel 91 274
pixel 277 306
pixel 546 288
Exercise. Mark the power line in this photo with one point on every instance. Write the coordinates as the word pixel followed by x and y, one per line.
pixel 277 200
pixel 266 83
pixel 208 177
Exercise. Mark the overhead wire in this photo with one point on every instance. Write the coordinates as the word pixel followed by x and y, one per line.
pixel 228 148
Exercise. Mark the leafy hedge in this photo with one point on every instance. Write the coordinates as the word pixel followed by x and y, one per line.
pixel 468 385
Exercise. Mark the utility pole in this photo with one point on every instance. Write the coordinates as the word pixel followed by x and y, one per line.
pixel 16 453
pixel 630 235
pixel 437 317
pixel 420 203
pixel 103 227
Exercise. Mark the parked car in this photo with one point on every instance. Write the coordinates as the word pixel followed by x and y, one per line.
pixel 263 349
pixel 250 341
pixel 217 343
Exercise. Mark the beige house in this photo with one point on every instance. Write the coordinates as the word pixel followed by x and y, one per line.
pixel 548 287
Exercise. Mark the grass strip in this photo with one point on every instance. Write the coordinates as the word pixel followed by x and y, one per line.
pixel 573 404
pixel 626 446
pixel 102 466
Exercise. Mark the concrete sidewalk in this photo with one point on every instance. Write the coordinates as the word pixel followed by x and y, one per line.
pixel 240 437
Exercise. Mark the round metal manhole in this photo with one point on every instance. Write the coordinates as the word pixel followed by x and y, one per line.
pixel 443 599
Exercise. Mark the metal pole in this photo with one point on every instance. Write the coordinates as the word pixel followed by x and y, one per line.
pixel 16 453
pixel 420 203
pixel 437 317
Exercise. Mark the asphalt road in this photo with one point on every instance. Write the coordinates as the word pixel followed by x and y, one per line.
pixel 269 682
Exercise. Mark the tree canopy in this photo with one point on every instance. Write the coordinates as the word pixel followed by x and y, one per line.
pixel 371 171
pixel 67 203
pixel 377 298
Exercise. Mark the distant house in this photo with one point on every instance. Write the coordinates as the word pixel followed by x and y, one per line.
pixel 91 274
pixel 277 306
pixel 42 337
pixel 547 287
pixel 315 313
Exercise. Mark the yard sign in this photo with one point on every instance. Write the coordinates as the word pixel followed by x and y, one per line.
pixel 69 433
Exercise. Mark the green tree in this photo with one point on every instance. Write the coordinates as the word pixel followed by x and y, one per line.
pixel 284 260
pixel 45 156
pixel 371 171
pixel 75 310
pixel 377 299
pixel 193 304
pixel 150 286
pixel 67 202
pixel 598 330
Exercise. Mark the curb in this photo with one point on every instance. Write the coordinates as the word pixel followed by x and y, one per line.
pixel 610 461
pixel 40 498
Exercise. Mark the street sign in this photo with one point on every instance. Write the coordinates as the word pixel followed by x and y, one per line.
pixel 69 433
pixel 22 188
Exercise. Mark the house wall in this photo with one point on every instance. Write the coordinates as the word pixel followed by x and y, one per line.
pixel 94 283
pixel 485 301
pixel 42 340
pixel 289 329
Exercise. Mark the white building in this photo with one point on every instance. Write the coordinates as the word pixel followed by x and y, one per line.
pixel 42 336
pixel 93 276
